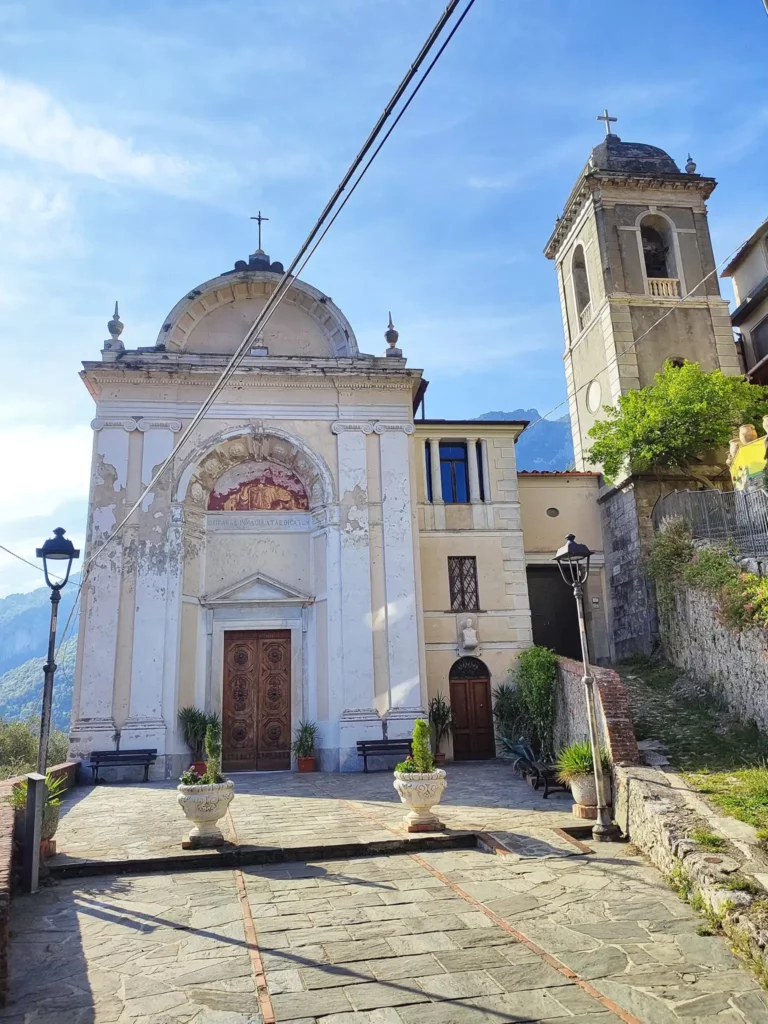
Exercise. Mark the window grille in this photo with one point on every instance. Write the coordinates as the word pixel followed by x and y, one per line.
pixel 462 580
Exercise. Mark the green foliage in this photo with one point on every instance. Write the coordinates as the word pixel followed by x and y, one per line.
pixel 575 761
pixel 441 718
pixel 681 882
pixel 19 744
pixel 422 759
pixel 193 724
pixel 213 751
pixel 55 786
pixel 304 744
pixel 21 688
pixel 673 561
pixel 743 794
pixel 191 777
pixel 685 414
pixel 511 715
pixel 535 677
pixel 738 884
pixel 709 840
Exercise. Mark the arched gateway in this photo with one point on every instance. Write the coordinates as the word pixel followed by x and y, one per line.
pixel 473 734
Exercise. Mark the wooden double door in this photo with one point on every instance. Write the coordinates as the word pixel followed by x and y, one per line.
pixel 473 734
pixel 256 706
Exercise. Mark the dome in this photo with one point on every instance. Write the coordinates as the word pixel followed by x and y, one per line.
pixel 214 318
pixel 631 158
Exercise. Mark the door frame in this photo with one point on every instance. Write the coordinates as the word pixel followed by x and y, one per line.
pixel 257 618
pixel 483 674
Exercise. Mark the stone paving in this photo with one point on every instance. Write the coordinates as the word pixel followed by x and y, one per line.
pixel 283 809
pixel 544 933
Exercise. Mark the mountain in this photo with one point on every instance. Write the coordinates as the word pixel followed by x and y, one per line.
pixel 24 624
pixel 21 689
pixel 546 446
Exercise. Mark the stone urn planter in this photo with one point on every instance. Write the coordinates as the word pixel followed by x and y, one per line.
pixel 421 791
pixel 205 805
pixel 584 791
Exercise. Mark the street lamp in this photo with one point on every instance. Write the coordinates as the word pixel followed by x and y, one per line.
pixel 60 550
pixel 573 561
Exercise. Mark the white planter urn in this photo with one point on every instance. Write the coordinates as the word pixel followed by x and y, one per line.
pixel 421 791
pixel 205 805
pixel 584 791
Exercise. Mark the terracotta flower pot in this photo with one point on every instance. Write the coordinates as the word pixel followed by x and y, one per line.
pixel 421 791
pixel 201 767
pixel 439 759
pixel 307 764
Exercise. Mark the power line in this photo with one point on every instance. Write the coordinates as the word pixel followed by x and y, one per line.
pixel 274 299
pixel 300 258
pixel 24 560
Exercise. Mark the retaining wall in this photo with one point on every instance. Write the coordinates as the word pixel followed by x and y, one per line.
pixel 614 712
pixel 731 664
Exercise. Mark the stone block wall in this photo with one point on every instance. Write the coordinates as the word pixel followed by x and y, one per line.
pixel 6 856
pixel 614 712
pixel 732 665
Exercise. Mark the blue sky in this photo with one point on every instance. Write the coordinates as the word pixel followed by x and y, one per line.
pixel 137 139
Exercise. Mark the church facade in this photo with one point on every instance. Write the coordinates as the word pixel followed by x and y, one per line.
pixel 313 553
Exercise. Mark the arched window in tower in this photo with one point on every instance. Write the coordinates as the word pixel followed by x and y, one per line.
pixel 657 241
pixel 581 287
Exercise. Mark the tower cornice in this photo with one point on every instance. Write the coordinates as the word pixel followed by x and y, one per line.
pixel 593 181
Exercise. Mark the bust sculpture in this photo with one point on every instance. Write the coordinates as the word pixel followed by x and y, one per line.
pixel 468 636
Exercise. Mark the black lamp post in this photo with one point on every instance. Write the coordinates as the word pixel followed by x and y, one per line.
pixel 61 551
pixel 573 561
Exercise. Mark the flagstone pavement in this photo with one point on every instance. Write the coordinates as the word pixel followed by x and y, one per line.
pixel 546 932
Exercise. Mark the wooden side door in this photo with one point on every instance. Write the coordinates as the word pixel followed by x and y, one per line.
pixel 256 707
pixel 473 736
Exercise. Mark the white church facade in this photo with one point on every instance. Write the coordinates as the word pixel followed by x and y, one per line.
pixel 313 553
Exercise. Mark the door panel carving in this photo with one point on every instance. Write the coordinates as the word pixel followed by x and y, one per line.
pixel 470 689
pixel 256 713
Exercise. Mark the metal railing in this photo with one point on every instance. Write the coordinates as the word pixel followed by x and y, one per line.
pixel 721 517
pixel 664 287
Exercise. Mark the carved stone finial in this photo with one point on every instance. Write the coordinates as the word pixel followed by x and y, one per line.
pixel 690 167
pixel 115 326
pixel 392 335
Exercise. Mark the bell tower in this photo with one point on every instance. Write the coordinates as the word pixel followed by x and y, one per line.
pixel 632 245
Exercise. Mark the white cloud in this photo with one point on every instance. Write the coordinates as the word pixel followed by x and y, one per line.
pixel 36 125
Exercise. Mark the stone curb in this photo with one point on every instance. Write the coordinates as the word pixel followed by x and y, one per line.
pixel 244 856
pixel 658 815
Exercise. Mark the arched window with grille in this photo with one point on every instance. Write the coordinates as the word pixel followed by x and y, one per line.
pixel 581 287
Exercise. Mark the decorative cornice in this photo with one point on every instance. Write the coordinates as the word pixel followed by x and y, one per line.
pixel 172 425
pixel 308 382
pixel 126 424
pixel 385 428
pixel 342 426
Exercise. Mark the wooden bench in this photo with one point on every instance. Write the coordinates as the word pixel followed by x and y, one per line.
pixel 118 758
pixel 374 748
pixel 533 770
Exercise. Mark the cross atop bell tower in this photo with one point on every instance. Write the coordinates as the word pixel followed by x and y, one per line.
pixel 605 116
pixel 260 220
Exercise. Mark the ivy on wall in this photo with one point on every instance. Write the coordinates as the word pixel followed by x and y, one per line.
pixel 674 562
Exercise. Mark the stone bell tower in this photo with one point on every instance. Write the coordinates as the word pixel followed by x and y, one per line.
pixel 631 245
pixel 638 286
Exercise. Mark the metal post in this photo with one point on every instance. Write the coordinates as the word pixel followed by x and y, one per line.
pixel 33 827
pixel 604 829
pixel 49 670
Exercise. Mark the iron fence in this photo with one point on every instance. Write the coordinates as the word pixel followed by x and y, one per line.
pixel 722 517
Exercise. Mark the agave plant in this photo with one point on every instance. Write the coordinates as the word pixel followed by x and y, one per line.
pixel 575 761
pixel 193 724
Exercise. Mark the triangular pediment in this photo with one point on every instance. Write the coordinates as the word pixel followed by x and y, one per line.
pixel 258 588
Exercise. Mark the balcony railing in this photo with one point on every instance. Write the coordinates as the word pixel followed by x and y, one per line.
pixel 664 287
pixel 585 316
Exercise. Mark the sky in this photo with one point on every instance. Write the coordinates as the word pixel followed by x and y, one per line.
pixel 136 140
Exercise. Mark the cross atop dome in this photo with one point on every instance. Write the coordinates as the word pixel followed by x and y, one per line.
pixel 260 220
pixel 606 117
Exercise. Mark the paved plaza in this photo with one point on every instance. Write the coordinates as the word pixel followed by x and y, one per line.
pixel 546 932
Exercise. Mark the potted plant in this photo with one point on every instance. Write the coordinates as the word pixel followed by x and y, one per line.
pixel 54 787
pixel 575 768
pixel 420 783
pixel 193 724
pixel 205 799
pixel 442 720
pixel 304 746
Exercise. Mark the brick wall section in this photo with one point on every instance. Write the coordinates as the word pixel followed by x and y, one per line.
pixel 6 856
pixel 614 712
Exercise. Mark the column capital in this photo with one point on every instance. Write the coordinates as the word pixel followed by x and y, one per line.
pixel 385 428
pixel 127 424
pixel 344 426
pixel 172 425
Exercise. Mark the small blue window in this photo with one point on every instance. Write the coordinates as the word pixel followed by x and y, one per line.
pixel 453 473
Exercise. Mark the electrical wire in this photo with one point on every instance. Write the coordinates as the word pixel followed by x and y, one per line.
pixel 24 560
pixel 300 260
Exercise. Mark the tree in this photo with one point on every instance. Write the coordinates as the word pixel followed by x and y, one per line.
pixel 687 413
